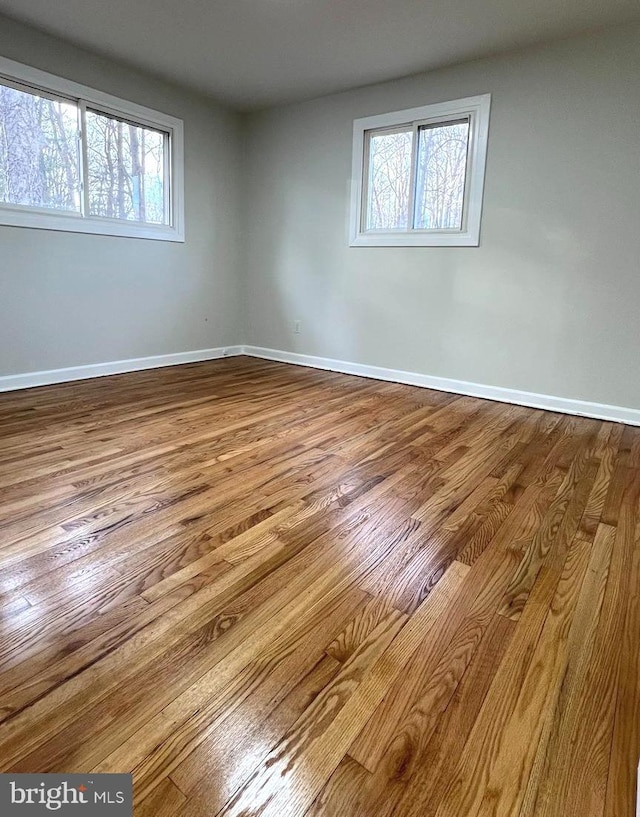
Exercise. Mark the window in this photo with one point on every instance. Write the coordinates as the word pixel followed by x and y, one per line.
pixel 418 175
pixel 125 169
pixel 79 160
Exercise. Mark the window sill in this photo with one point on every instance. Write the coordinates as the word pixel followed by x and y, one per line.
pixel 415 239
pixel 71 223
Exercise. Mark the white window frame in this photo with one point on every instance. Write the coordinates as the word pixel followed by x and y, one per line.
pixel 477 109
pixel 32 79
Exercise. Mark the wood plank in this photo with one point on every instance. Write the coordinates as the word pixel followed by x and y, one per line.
pixel 319 752
pixel 625 749
pixel 435 766
pixel 225 760
pixel 554 534
pixel 165 801
pixel 544 786
pixel 493 782
pixel 413 706
pixel 595 694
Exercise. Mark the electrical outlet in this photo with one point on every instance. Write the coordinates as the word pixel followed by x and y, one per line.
pixel 297 327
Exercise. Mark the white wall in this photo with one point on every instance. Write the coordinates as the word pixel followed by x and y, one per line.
pixel 550 301
pixel 70 299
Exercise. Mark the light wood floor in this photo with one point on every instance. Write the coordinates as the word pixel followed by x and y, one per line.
pixel 269 590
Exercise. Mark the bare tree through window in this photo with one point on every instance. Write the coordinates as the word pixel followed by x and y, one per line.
pixel 389 180
pixel 442 165
pixel 439 177
pixel 39 160
pixel 125 169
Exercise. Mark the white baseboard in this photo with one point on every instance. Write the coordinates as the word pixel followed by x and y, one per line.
pixel 600 411
pixel 617 414
pixel 30 379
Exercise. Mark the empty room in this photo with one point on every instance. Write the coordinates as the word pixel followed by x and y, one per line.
pixel 320 408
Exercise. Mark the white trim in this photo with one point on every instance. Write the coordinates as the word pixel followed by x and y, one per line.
pixel 478 109
pixel 600 411
pixel 36 80
pixel 30 379
pixel 582 408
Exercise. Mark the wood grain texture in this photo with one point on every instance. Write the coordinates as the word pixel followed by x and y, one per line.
pixel 280 592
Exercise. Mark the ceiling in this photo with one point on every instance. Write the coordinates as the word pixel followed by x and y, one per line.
pixel 255 53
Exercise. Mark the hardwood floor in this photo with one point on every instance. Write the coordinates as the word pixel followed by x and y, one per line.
pixel 267 590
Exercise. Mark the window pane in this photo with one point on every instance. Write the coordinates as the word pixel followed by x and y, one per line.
pixel 389 180
pixel 125 170
pixel 38 151
pixel 442 163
